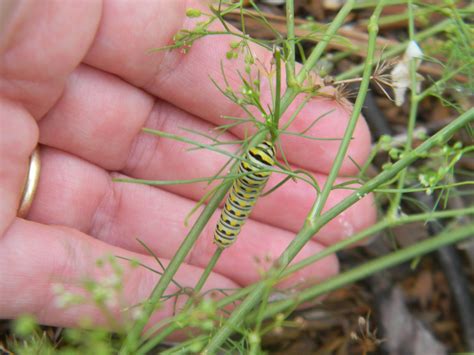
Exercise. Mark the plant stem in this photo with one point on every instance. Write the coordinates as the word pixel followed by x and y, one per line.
pixel 370 267
pixel 444 79
pixel 393 210
pixel 306 233
pixel 310 229
pixel 131 341
pixel 293 90
pixel 373 3
pixel 205 275
pixel 386 223
pixel 438 139
pixel 316 220
pixel 290 43
pixel 395 50
pixel 256 290
pixel 276 106
pixel 360 272
pixel 150 344
pixel 341 153
pixel 321 46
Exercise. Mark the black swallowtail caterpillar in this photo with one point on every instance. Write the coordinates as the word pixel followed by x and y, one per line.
pixel 244 192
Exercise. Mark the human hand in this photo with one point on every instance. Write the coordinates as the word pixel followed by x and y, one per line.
pixel 78 80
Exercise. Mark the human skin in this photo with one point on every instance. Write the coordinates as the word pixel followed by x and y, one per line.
pixel 77 78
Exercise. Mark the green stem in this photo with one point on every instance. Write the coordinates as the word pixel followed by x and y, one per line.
pixel 290 94
pixel 189 141
pixel 395 50
pixel 438 139
pixel 321 46
pixel 373 266
pixel 342 151
pixel 150 344
pixel 205 275
pixel 417 189
pixel 294 88
pixel 444 79
pixel 386 223
pixel 315 220
pixel 302 238
pixel 358 273
pixel 395 202
pixel 389 19
pixel 290 43
pixel 373 3
pixel 131 341
pixel 310 229
pixel 295 113
pixel 276 106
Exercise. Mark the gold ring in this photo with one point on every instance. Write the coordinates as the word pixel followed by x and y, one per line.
pixel 31 183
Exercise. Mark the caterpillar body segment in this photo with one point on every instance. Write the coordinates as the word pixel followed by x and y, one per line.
pixel 244 193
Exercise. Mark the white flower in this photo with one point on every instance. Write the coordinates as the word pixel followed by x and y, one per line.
pixel 137 313
pixel 401 72
pixel 413 51
pixel 333 4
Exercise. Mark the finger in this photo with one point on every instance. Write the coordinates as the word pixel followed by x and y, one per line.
pixel 183 79
pixel 99 119
pixel 22 38
pixel 119 213
pixel 34 67
pixel 52 255
pixel 18 137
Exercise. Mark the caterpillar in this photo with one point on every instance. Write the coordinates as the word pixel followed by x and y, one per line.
pixel 244 193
